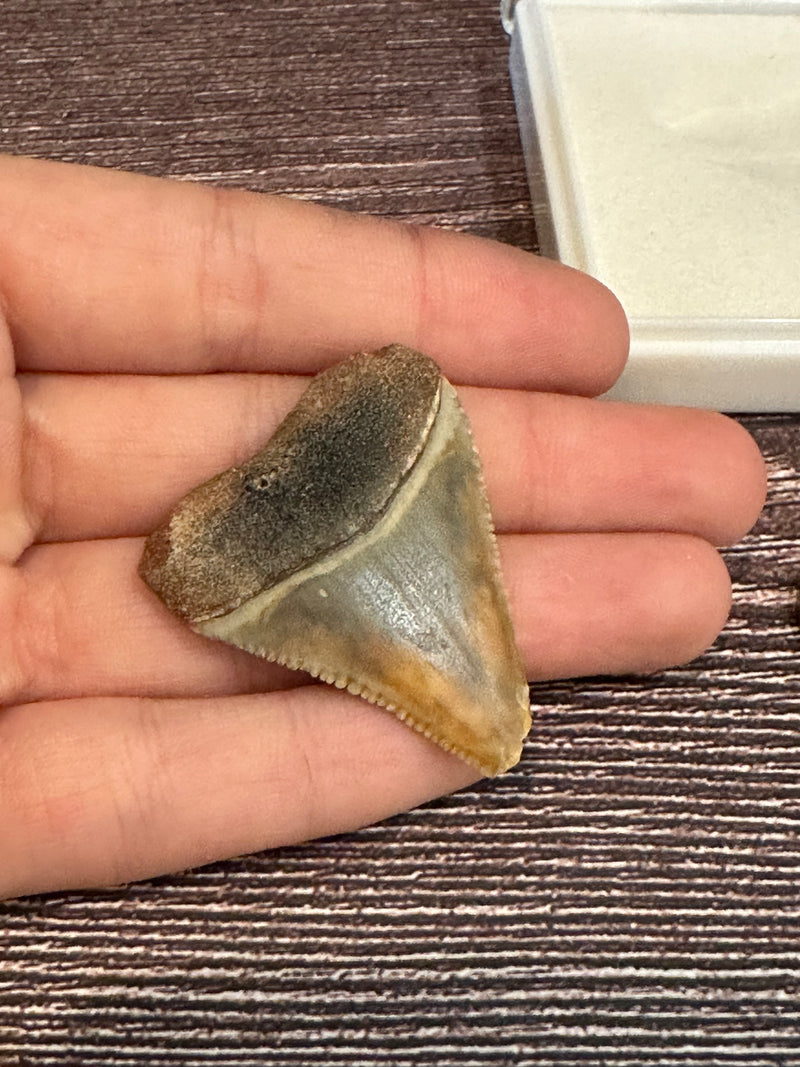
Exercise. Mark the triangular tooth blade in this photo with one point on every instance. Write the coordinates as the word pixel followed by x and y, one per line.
pixel 404 604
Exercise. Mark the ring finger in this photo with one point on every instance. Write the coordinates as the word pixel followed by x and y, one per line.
pixel 581 604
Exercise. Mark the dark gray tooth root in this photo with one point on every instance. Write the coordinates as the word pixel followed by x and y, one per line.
pixel 357 545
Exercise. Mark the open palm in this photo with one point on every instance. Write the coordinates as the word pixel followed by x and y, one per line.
pixel 156 332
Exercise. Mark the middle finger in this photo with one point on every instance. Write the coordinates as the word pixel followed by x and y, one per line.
pixel 108 456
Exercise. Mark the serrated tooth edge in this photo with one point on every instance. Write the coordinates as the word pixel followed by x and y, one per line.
pixel 360 690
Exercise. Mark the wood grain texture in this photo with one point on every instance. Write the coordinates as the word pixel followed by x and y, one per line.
pixel 629 895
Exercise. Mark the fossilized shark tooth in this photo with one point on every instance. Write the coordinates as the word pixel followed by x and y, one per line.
pixel 357 545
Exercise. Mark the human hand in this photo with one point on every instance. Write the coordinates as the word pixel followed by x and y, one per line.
pixel 154 333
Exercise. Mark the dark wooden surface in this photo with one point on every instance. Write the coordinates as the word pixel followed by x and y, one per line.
pixel 629 895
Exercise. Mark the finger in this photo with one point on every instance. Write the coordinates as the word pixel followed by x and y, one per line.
pixel 106 790
pixel 587 604
pixel 16 526
pixel 558 463
pixel 581 604
pixel 109 456
pixel 103 791
pixel 84 622
pixel 102 270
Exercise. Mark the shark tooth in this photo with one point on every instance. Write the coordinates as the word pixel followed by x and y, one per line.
pixel 357 545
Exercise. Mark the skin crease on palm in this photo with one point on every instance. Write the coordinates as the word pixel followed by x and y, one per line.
pixel 156 332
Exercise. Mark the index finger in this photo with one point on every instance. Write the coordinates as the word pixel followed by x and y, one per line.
pixel 107 271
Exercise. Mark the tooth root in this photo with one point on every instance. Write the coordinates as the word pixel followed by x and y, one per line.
pixel 408 612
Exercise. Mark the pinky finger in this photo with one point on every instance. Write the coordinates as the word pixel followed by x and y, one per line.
pixel 108 790
pixel 111 789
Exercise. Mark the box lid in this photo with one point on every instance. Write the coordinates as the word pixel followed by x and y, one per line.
pixel 668 136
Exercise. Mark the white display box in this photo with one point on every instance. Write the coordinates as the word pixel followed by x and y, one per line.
pixel 662 141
